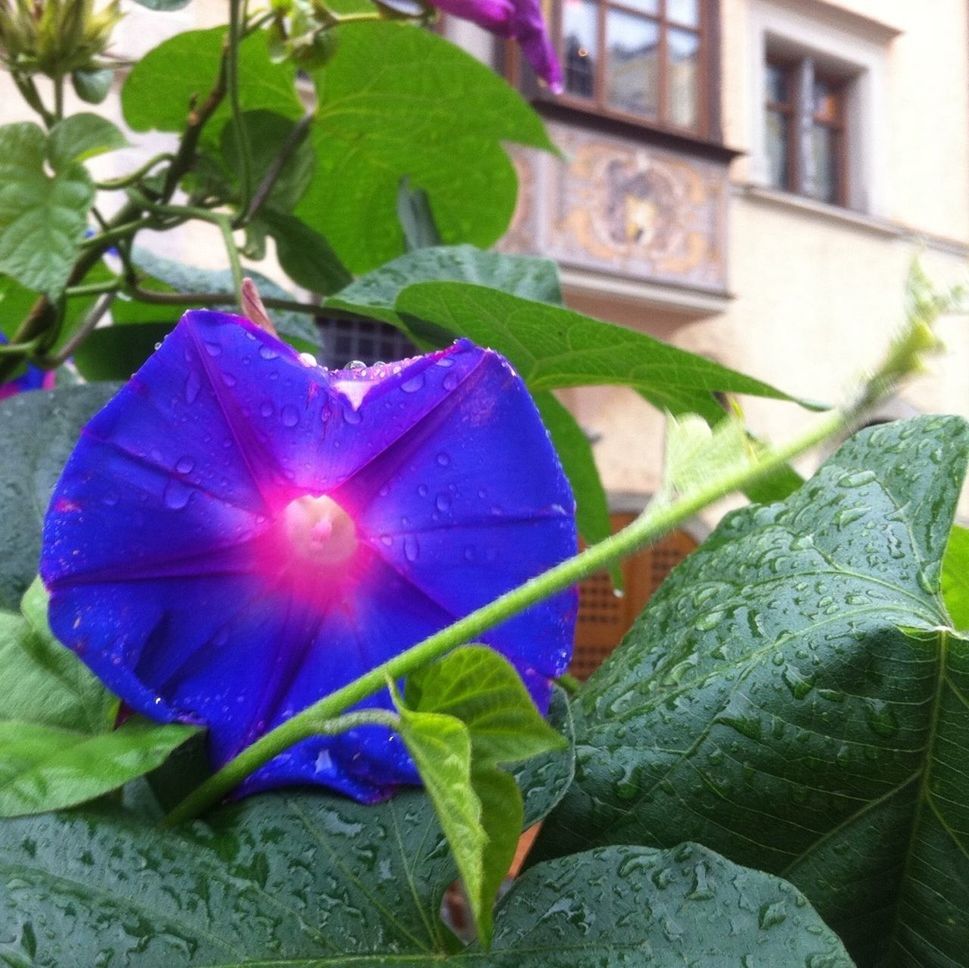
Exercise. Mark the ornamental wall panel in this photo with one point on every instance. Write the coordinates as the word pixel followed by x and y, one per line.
pixel 620 207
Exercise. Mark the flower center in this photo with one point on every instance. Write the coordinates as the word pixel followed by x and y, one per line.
pixel 319 530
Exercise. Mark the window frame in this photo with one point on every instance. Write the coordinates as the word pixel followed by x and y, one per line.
pixel 708 83
pixel 801 72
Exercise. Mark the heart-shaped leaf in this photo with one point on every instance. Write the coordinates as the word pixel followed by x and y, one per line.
pixel 795 698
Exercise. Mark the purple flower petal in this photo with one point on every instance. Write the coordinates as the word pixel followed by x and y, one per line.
pixel 520 20
pixel 238 534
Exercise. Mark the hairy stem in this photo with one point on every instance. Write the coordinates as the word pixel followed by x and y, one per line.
pixel 232 84
pixel 651 525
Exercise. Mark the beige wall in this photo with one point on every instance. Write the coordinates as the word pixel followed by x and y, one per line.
pixel 818 291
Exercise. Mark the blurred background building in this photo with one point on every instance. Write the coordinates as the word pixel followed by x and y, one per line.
pixel 746 179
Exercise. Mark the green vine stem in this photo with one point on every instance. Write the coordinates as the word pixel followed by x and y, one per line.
pixel 647 528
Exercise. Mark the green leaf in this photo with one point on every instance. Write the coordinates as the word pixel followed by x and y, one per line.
pixel 299 329
pixel 115 352
pixel 164 84
pixel 697 452
pixel 42 216
pixel 398 101
pixel 267 134
pixel 553 347
pixel 300 876
pixel 45 768
pixel 38 431
pixel 81 136
pixel 315 880
pixel 544 779
pixel 56 744
pixel 375 294
pixel 955 577
pixel 575 452
pixel 620 907
pixel 44 683
pixel 795 698
pixel 465 715
pixel 416 218
pixel 92 86
pixel 16 301
pixel 304 254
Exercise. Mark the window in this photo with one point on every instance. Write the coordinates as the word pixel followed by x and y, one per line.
pixel 647 61
pixel 804 113
pixel 345 340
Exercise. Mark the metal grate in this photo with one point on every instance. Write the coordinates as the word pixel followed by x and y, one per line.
pixel 361 339
pixel 604 618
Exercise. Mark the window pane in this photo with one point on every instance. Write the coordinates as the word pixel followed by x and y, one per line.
pixel 684 74
pixel 824 147
pixel 632 76
pixel 581 46
pixel 778 149
pixel 825 106
pixel 777 83
pixel 684 12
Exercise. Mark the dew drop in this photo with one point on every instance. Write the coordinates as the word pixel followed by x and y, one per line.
pixel 192 386
pixel 450 382
pixel 422 490
pixel 442 502
pixel 267 353
pixel 412 550
pixel 413 384
pixel 289 416
pixel 857 479
pixel 213 349
pixel 185 465
pixel 443 459
pixel 351 416
pixel 266 409
pixel 356 365
pixel 176 495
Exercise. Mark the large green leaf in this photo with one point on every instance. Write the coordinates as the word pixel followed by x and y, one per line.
pixel 955 577
pixel 37 433
pixel 625 907
pixel 163 86
pixel 466 716
pixel 398 101
pixel 43 213
pixel 375 294
pixel 794 697
pixel 320 882
pixel 304 254
pixel 553 347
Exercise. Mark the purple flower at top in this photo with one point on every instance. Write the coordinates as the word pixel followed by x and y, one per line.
pixel 520 20
pixel 240 532
pixel 33 378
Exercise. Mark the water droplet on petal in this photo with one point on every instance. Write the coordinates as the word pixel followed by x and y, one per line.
pixel 213 349
pixel 356 365
pixel 450 382
pixel 412 549
pixel 422 490
pixel 193 384
pixel 185 465
pixel 268 353
pixel 413 384
pixel 176 495
pixel 352 416
pixel 289 416
pixel 266 409
pixel 443 459
pixel 442 502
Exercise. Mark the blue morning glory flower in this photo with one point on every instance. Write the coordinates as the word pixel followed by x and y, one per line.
pixel 240 532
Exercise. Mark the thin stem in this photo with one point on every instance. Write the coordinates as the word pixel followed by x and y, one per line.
pixel 226 299
pixel 28 91
pixel 113 184
pixel 232 252
pixel 293 140
pixel 58 97
pixel 647 528
pixel 81 333
pixel 19 350
pixel 94 288
pixel 232 83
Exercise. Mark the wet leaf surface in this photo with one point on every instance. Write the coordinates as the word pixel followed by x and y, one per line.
pixel 795 698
